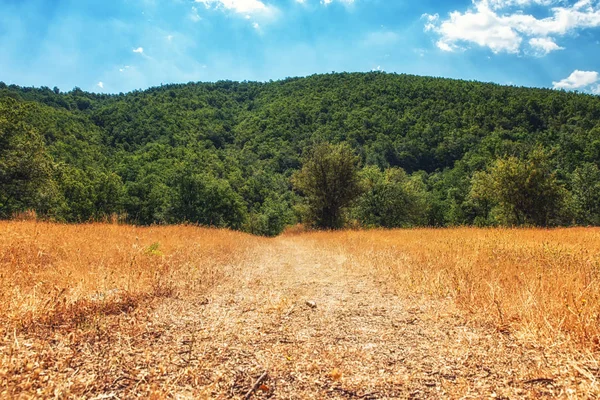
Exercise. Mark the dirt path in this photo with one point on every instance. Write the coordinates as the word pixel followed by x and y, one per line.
pixel 358 342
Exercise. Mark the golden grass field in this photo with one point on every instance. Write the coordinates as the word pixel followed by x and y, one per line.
pixel 542 284
pixel 109 311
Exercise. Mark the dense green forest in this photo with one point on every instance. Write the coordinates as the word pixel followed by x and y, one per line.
pixel 425 151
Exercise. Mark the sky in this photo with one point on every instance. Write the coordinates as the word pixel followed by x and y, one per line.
pixel 114 46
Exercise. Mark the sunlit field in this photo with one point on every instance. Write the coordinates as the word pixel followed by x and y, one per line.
pixel 68 284
pixel 543 285
pixel 52 275
pixel 101 308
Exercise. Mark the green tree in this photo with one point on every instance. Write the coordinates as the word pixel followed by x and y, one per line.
pixel 329 181
pixel 390 199
pixel 203 199
pixel 25 167
pixel 585 183
pixel 523 192
pixel 274 215
pixel 148 200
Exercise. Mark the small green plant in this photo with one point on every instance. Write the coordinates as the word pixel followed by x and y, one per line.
pixel 153 249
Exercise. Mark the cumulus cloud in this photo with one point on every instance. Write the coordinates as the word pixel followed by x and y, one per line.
pixel 139 50
pixel 544 45
pixel 503 26
pixel 583 80
pixel 100 85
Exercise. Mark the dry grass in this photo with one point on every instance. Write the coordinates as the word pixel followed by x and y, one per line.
pixel 109 311
pixel 76 284
pixel 56 274
pixel 542 285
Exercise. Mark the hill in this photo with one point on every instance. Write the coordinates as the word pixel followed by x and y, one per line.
pixel 222 153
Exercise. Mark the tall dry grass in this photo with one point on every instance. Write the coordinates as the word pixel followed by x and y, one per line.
pixel 54 275
pixel 542 285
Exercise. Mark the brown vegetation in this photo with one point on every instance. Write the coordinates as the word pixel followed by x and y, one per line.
pixel 109 311
pixel 73 284
pixel 52 274
pixel 543 285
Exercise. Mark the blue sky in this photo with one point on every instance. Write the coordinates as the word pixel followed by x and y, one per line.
pixel 122 45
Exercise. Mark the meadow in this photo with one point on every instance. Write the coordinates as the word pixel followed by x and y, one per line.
pixel 56 275
pixel 79 301
pixel 542 284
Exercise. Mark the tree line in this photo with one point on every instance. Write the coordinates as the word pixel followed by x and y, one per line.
pixel 360 149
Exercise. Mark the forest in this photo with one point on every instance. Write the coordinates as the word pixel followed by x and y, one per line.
pixel 402 151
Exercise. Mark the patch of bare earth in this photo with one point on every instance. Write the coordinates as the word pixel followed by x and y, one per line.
pixel 319 328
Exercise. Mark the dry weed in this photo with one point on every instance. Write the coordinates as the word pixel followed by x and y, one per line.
pixel 542 285
pixel 53 274
pixel 109 311
pixel 81 285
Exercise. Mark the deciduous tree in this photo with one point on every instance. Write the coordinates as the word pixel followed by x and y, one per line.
pixel 329 181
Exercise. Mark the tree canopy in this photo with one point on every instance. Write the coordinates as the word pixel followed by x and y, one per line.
pixel 329 182
pixel 224 153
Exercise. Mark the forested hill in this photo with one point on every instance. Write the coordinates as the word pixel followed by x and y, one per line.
pixel 223 153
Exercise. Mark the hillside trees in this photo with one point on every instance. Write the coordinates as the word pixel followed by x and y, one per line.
pixel 25 168
pixel 586 194
pixel 125 153
pixel 522 191
pixel 329 181
pixel 391 199
pixel 83 196
pixel 203 199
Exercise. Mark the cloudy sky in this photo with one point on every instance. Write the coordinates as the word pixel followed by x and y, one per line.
pixel 121 45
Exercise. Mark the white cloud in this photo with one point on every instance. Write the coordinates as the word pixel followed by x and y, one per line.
pixel 256 26
pixel 139 50
pixel 579 80
pixel 502 27
pixel 420 52
pixel 497 4
pixel 239 6
pixel 100 85
pixel 125 68
pixel 445 46
pixel 544 45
